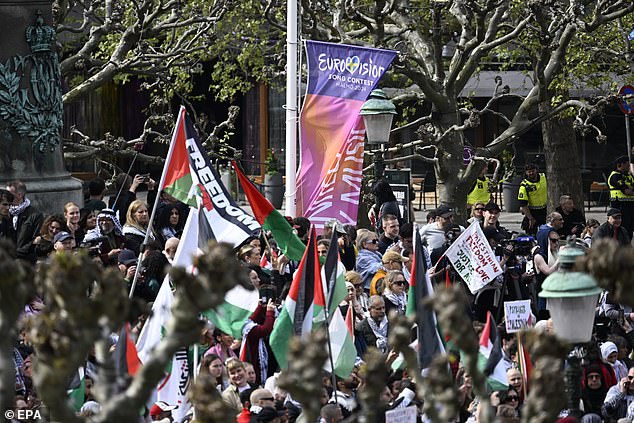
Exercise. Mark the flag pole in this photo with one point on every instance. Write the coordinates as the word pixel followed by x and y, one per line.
pixel 332 364
pixel 291 107
pixel 159 188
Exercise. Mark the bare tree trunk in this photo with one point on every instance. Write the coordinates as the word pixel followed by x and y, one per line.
pixel 563 169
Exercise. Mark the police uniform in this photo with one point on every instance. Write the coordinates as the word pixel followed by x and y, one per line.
pixel 480 192
pixel 619 182
pixel 535 196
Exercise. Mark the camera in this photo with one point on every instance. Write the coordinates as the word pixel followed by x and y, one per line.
pixel 145 177
pixel 267 292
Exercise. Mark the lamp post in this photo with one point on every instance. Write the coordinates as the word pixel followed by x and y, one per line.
pixel 378 112
pixel 572 299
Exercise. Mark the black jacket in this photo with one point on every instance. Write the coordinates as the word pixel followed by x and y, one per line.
pixel 28 227
pixel 607 231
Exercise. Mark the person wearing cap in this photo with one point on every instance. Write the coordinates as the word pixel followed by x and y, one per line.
pixel 268 415
pixel 491 217
pixel 161 410
pixel 433 234
pixel 533 198
pixel 390 226
pixel 63 242
pixel 391 261
pixel 613 228
pixel 621 185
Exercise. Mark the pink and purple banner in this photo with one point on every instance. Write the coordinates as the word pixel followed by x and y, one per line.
pixel 340 79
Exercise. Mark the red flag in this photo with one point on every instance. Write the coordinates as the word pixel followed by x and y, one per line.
pixel 350 321
pixel 525 364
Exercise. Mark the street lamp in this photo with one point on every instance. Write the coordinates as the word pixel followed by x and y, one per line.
pixel 572 299
pixel 378 112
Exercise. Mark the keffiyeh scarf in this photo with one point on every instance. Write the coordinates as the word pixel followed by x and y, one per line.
pixel 380 331
pixel 399 300
pixel 16 210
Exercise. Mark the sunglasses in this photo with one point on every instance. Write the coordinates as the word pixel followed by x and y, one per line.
pixel 399 283
pixel 554 239
pixel 479 208
pixel 594 377
pixel 373 241
pixel 268 399
pixel 512 398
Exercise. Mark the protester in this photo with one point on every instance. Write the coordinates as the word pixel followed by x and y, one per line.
pixel 255 334
pixel 238 379
pixel 477 213
pixel 6 225
pixel 374 328
pixel 613 228
pixel 390 237
pixel 433 234
pixel 395 296
pixel 72 216
pixel 212 365
pixel 161 410
pixel 223 348
pixel 26 221
pixel 96 191
pixel 369 259
pixel 136 226
pixel 573 221
pixel 107 237
pixel 43 243
pixel 385 203
pixel 169 223
pixel 619 398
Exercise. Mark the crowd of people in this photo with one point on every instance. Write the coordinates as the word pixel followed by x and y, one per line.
pixel 378 262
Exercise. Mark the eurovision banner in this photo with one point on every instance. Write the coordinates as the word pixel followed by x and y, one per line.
pixel 340 79
pixel 472 257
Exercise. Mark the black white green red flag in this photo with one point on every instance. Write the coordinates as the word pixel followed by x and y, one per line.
pixel 271 219
pixel 189 177
pixel 429 341
pixel 304 301
pixel 491 361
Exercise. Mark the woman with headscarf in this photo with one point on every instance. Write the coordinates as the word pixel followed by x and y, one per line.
pixel 610 352
pixel 593 390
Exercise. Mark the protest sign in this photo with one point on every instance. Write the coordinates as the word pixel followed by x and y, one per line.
pixel 473 259
pixel 517 315
pixel 401 415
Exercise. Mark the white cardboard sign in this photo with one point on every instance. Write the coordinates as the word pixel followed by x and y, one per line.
pixel 517 315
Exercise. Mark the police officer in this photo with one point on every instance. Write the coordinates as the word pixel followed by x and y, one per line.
pixel 480 192
pixel 533 198
pixel 621 184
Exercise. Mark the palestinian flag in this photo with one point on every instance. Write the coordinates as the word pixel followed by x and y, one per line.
pixel 271 219
pixel 429 341
pixel 77 389
pixel 342 346
pixel 176 179
pixel 525 365
pixel 490 361
pixel 126 358
pixel 189 177
pixel 304 301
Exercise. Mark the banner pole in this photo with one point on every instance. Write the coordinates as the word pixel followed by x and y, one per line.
pixel 291 107
pixel 158 189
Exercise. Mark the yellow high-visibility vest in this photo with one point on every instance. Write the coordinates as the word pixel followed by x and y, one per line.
pixel 480 192
pixel 615 193
pixel 536 193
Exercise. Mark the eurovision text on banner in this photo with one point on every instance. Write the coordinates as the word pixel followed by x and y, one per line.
pixel 340 79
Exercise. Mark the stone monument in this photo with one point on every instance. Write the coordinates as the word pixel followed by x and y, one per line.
pixel 31 111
